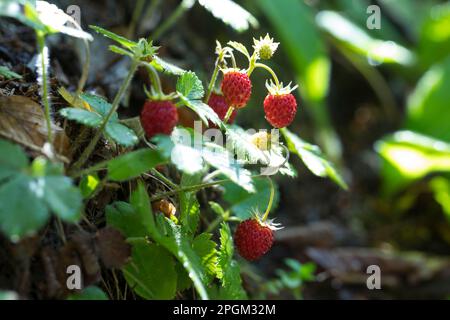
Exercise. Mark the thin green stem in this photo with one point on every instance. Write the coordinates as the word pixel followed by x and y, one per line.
pixel 172 19
pixel 212 82
pixel 228 115
pixel 263 66
pixel 154 78
pixel 272 196
pixel 164 179
pixel 187 189
pixel 86 66
pixel 43 67
pixel 115 105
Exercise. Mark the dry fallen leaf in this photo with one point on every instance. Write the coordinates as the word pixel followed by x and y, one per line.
pixel 22 120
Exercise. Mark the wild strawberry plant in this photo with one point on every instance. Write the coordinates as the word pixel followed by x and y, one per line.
pixel 174 245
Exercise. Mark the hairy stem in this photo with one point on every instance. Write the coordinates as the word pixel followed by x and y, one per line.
pixel 212 82
pixel 187 189
pixel 269 206
pixel 44 84
pixel 228 114
pixel 154 78
pixel 85 71
pixel 115 105
pixel 266 67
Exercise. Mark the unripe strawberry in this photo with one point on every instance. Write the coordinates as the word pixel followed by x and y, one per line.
pixel 237 88
pixel 253 239
pixel 158 117
pixel 265 47
pixel 280 105
pixel 220 106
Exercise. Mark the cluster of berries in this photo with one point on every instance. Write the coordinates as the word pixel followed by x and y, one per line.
pixel 255 236
pixel 280 106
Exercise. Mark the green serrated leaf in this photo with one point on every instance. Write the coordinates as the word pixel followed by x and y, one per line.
pixel 206 250
pixel 123 216
pixel 166 67
pixel 171 236
pixel 119 39
pixel 205 112
pixel 219 158
pixel 151 272
pixel 121 134
pixel 178 149
pixel 63 198
pixel 13 159
pixel 190 86
pixel 313 158
pixel 99 104
pixel 239 47
pixel 28 196
pixel 22 210
pixel 189 206
pixel 227 269
pixel 85 117
pixel 133 164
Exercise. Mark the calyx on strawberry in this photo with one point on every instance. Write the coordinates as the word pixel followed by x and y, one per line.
pixel 280 105
pixel 236 87
pixel 158 117
pixel 220 106
pixel 254 238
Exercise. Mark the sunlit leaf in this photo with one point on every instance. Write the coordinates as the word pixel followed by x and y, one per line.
pixel 428 108
pixel 409 156
pixel 133 164
pixel 358 40
pixel 313 158
pixel 231 13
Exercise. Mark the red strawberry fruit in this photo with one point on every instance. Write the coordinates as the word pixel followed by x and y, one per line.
pixel 237 88
pixel 158 117
pixel 253 239
pixel 280 106
pixel 220 106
